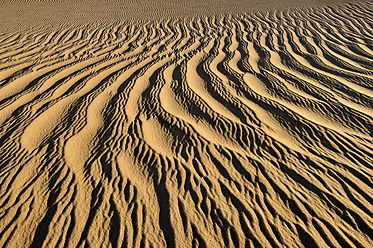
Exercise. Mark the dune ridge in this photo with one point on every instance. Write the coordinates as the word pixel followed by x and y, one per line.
pixel 249 130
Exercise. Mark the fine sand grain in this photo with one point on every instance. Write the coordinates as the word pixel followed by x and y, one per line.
pixel 185 128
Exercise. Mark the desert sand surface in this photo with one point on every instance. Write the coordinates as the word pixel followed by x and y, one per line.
pixel 126 125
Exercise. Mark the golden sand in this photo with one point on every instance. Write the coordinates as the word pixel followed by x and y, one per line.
pixel 186 128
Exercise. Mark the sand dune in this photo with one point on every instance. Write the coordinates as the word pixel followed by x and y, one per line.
pixel 25 14
pixel 236 130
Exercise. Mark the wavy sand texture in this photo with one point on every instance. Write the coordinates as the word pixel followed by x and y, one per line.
pixel 252 130
pixel 20 14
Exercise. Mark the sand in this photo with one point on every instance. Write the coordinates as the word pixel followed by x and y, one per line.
pixel 186 124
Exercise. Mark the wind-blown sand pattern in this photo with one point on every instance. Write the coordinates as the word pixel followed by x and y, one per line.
pixel 252 130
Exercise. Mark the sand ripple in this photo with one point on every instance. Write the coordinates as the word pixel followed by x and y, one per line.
pixel 250 130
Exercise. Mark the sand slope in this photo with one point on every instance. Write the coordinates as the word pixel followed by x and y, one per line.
pixel 251 130
pixel 20 14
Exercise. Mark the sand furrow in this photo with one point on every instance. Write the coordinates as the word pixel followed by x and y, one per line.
pixel 231 130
